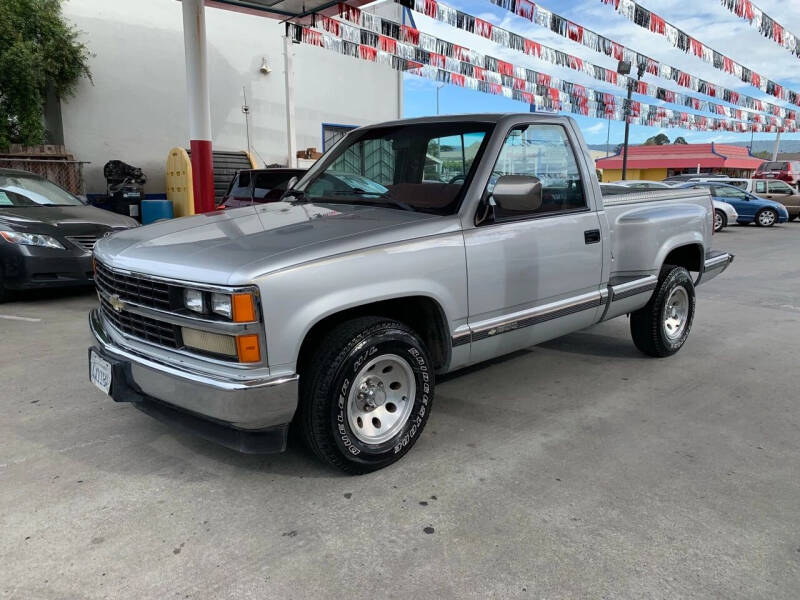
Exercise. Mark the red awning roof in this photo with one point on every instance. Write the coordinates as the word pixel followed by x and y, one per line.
pixel 683 156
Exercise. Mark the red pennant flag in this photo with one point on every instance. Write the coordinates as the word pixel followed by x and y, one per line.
pixel 525 9
pixel 505 68
pixel 483 28
pixel 457 79
pixel 479 73
pixel 533 48
pixel 543 79
pixel 574 32
pixel 436 60
pixel 367 52
pixel 387 44
pixel 431 8
pixel 409 35
pixel 312 37
pixel 657 24
pixel 697 47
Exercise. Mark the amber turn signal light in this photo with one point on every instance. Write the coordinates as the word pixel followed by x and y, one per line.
pixel 244 310
pixel 247 348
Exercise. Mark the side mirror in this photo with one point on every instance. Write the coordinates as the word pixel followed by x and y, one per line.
pixel 518 193
pixel 292 182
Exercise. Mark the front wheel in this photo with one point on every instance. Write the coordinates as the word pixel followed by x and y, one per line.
pixel 720 220
pixel 365 394
pixel 661 327
pixel 766 217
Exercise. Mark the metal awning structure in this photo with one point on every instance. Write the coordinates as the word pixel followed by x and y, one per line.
pixel 197 90
pixel 282 9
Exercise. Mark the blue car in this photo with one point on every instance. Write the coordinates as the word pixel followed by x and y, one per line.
pixel 751 209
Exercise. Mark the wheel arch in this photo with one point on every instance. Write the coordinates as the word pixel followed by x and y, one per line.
pixel 689 256
pixel 424 314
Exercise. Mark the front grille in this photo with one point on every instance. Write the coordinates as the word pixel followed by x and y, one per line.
pixel 130 288
pixel 85 242
pixel 145 328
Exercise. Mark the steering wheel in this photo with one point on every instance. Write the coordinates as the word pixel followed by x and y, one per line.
pixel 456 179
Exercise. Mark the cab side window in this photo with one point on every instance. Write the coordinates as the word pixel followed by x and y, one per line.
pixel 779 187
pixel 544 152
pixel 761 186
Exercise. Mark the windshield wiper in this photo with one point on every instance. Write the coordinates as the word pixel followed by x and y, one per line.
pixel 378 197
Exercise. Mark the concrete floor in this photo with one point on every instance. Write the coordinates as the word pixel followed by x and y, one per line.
pixel 577 469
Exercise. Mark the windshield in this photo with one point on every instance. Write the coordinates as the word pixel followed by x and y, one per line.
pixel 22 190
pixel 414 167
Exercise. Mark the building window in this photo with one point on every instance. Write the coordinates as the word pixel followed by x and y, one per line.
pixel 333 133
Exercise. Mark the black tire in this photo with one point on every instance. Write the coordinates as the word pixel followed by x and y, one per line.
pixel 647 324
pixel 764 211
pixel 723 220
pixel 328 377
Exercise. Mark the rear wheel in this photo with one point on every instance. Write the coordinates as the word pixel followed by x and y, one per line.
pixel 661 327
pixel 720 220
pixel 365 394
pixel 766 217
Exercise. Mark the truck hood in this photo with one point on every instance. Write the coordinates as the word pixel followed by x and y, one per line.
pixel 64 220
pixel 234 246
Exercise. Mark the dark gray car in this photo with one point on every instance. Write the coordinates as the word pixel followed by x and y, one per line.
pixel 47 234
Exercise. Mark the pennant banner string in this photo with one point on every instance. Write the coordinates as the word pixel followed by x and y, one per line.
pixel 401 47
pixel 509 39
pixel 766 25
pixel 683 41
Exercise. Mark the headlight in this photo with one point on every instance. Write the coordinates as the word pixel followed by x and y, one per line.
pixel 193 300
pixel 237 307
pixel 31 239
pixel 221 304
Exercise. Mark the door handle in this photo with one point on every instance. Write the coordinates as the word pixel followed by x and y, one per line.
pixel 591 236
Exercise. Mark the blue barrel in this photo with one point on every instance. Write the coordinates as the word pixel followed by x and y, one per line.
pixel 155 210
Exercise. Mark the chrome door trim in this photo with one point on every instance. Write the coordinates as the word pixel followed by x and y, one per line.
pixel 526 318
pixel 633 287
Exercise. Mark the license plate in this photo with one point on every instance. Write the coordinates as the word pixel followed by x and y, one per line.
pixel 100 373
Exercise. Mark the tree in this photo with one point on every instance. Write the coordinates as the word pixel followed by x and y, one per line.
pixel 763 154
pixel 680 140
pixel 657 140
pixel 39 53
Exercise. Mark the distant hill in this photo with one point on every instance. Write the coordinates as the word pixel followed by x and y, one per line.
pixel 758 146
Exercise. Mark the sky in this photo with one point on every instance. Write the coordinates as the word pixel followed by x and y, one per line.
pixel 707 21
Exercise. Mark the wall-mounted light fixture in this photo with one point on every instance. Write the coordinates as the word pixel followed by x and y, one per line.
pixel 265 68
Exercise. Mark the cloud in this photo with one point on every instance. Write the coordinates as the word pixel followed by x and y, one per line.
pixel 597 128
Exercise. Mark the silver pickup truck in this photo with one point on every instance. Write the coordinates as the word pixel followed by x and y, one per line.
pixel 411 249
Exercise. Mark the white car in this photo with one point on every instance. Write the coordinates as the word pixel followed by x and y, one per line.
pixel 724 212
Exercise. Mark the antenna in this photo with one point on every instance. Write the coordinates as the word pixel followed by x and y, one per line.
pixel 246 111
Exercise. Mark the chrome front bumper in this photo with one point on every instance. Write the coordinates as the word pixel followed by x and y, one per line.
pixel 242 404
pixel 715 263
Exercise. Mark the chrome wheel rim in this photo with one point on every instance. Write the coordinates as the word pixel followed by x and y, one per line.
pixel 676 313
pixel 381 399
pixel 766 218
pixel 717 221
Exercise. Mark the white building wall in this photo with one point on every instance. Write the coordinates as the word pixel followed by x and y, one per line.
pixel 135 109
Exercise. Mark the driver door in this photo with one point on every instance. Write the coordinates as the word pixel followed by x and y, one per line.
pixel 535 275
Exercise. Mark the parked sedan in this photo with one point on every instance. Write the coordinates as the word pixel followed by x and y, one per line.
pixel 47 234
pixel 724 212
pixel 751 208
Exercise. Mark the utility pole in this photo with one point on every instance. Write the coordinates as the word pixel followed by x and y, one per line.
pixel 608 136
pixel 439 86
pixel 624 67
pixel 777 146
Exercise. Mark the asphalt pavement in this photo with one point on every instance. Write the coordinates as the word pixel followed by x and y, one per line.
pixel 575 469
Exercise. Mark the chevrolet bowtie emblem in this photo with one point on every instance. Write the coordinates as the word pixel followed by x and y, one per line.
pixel 116 302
